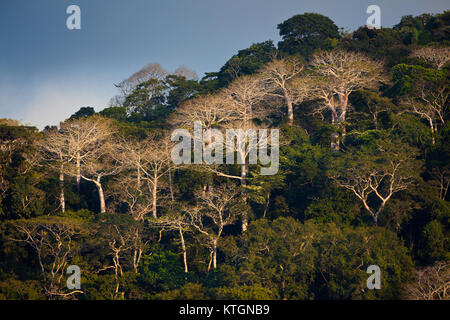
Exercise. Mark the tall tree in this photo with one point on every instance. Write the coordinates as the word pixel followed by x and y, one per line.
pixel 304 33
pixel 339 73
pixel 221 206
pixel 375 173
pixel 284 81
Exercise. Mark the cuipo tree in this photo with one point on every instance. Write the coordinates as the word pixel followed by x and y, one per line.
pixel 338 74
pixel 284 82
pixel 375 173
pixel 215 210
pixel 436 56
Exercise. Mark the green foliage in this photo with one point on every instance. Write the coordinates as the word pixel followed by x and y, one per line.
pixel 304 33
pixel 162 271
pixel 246 61
pixel 84 112
pixel 254 292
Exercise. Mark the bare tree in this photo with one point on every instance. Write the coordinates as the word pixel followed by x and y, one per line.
pixel 125 247
pixel 55 150
pixel 54 241
pixel 178 223
pixel 374 177
pixel 437 56
pixel 283 81
pixel 150 71
pixel 100 164
pixel 216 209
pixel 430 283
pixel 244 96
pixel 150 161
pixel 430 103
pixel 442 177
pixel 183 71
pixel 80 139
pixel 339 73
pixel 235 107
pixel 210 110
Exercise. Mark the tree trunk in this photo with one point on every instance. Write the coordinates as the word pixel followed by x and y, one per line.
pixel 101 196
pixel 215 256
pixel 334 136
pixel 432 130
pixel 78 164
pixel 183 246
pixel 243 184
pixel 154 195
pixel 290 108
pixel 62 200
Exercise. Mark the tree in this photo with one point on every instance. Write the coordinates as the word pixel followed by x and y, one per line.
pixel 122 239
pixel 216 209
pixel 375 173
pixel 150 161
pixel 211 110
pixel 55 150
pixel 437 56
pixel 246 62
pixel 102 162
pixel 150 71
pixel 430 283
pixel 304 33
pixel 427 94
pixel 245 95
pixel 87 147
pixel 282 77
pixel 147 101
pixel 338 74
pixel 179 223
pixel 54 240
pixel 80 138
pixel 180 90
pixel 186 73
pixel 84 112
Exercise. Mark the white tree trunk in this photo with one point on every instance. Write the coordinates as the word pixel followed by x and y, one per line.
pixel 62 200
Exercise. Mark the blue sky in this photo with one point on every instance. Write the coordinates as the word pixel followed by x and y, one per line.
pixel 47 72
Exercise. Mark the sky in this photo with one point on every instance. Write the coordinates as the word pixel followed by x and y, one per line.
pixel 47 72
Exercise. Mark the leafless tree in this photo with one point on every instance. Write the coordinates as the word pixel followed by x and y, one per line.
pixel 125 249
pixel 378 176
pixel 54 241
pixel 101 163
pixel 54 149
pixel 178 223
pixel 245 96
pixel 283 80
pixel 150 162
pixel 150 71
pixel 339 73
pixel 430 283
pixel 210 110
pixel 442 177
pixel 79 139
pixel 437 56
pixel 430 103
pixel 216 209
pixel 183 71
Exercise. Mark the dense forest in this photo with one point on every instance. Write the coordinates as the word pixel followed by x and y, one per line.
pixel 363 177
